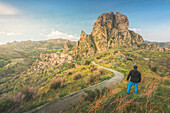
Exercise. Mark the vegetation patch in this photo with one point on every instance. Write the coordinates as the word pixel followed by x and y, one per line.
pixel 77 76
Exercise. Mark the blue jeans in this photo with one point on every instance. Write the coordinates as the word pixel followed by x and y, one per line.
pixel 130 85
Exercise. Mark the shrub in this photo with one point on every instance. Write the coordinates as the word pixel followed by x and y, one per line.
pixel 5 105
pixel 56 83
pixel 87 62
pixel 83 68
pixel 92 95
pixel 90 79
pixel 97 75
pixel 69 73
pixel 92 68
pixel 154 69
pixel 25 94
pixel 96 94
pixel 101 71
pixel 76 76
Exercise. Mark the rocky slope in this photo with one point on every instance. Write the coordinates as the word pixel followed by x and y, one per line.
pixel 50 61
pixel 110 30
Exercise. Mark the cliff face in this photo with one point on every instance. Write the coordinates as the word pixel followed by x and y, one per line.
pixel 110 30
pixel 85 46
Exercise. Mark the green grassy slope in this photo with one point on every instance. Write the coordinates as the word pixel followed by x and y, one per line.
pixel 28 51
pixel 154 88
pixel 41 87
pixel 32 89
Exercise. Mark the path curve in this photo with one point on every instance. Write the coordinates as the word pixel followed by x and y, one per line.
pixel 66 102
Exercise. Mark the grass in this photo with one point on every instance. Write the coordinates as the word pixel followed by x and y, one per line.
pixel 153 93
pixel 152 96
pixel 44 84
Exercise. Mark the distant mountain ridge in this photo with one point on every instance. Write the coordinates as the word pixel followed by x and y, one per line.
pixel 18 49
pixel 16 57
pixel 161 44
pixel 48 44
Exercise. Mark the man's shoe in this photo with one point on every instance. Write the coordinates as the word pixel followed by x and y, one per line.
pixel 128 93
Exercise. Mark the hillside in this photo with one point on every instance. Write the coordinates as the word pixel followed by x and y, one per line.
pixel 16 57
pixel 60 67
pixel 154 89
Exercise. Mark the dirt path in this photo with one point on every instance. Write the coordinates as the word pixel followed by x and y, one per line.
pixel 68 101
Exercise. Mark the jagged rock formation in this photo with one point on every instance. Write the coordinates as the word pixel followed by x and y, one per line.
pixel 86 45
pixel 67 45
pixel 109 31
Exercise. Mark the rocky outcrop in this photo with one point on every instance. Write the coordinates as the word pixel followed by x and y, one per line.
pixel 85 47
pixel 109 31
pixel 67 45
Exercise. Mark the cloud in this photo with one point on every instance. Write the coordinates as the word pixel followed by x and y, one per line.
pixel 10 33
pixel 135 29
pixel 6 9
pixel 58 34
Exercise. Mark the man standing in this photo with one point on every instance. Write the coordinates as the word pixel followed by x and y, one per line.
pixel 135 79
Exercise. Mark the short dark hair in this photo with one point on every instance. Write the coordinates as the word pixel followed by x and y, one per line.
pixel 135 67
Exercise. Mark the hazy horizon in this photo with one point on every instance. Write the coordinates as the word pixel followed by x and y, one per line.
pixel 42 20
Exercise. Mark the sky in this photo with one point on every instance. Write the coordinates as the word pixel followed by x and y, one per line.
pixel 22 20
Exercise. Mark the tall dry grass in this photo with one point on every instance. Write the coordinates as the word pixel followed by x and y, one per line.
pixel 123 103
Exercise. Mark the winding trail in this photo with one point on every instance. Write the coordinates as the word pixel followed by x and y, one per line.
pixel 66 102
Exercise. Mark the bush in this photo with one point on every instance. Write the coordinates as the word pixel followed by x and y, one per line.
pixel 92 95
pixel 90 79
pixel 56 83
pixel 101 71
pixel 77 76
pixel 87 62
pixel 154 69
pixel 69 73
pixel 5 105
pixel 96 94
pixel 92 68
pixel 25 94
pixel 83 68
pixel 96 75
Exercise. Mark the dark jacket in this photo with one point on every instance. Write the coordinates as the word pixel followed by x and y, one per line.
pixel 135 76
